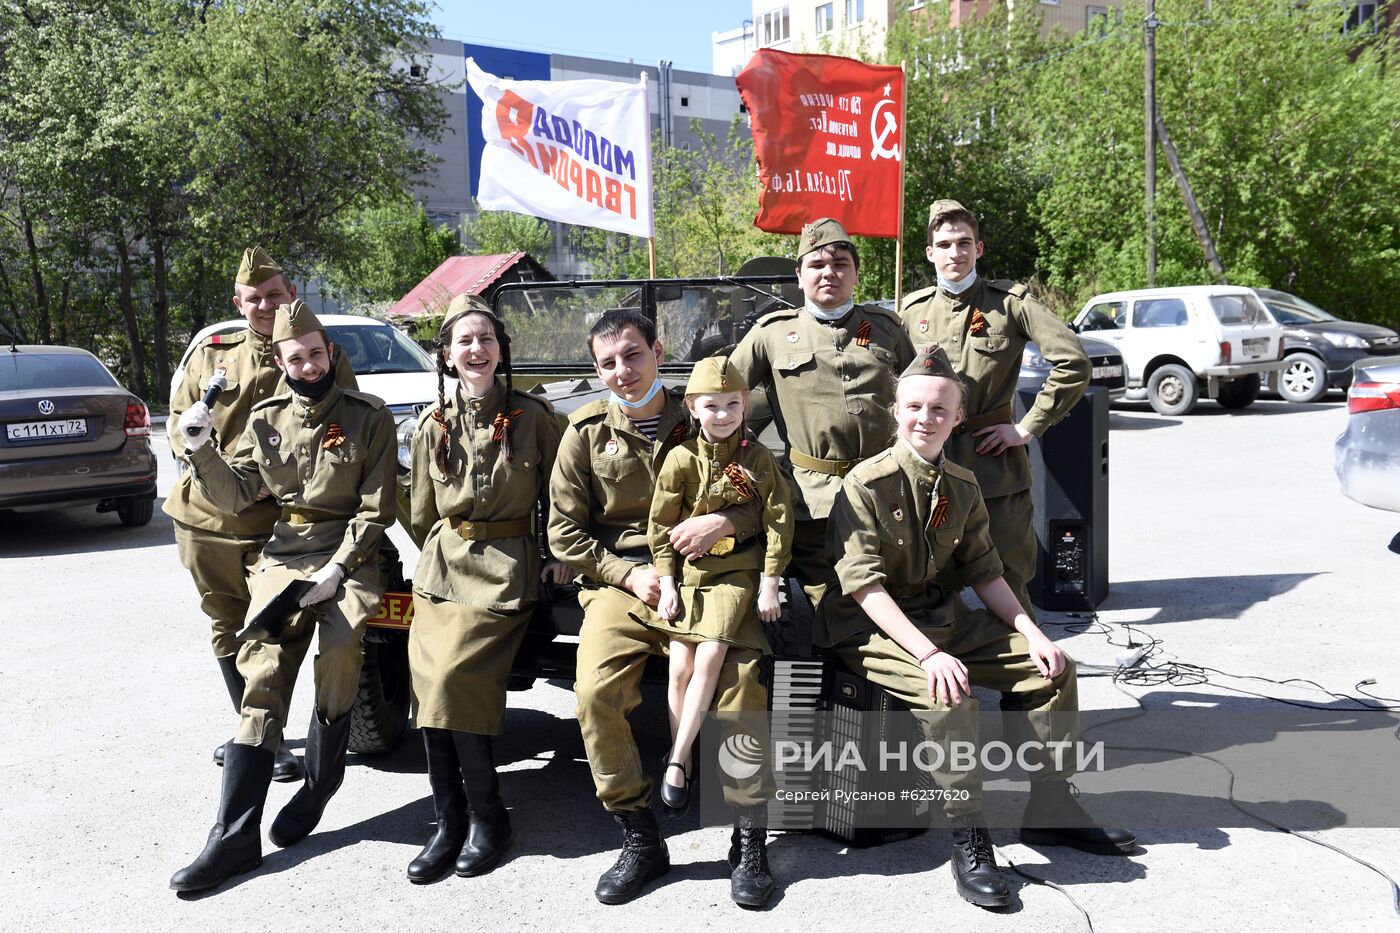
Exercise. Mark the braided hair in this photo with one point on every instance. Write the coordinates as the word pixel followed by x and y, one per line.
pixel 461 307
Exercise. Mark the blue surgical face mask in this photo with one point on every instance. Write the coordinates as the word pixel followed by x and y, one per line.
pixel 957 288
pixel 651 394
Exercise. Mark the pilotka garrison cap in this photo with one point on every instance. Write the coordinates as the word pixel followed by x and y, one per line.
pixel 931 360
pixel 820 233
pixel 295 321
pixel 945 206
pixel 713 375
pixel 257 267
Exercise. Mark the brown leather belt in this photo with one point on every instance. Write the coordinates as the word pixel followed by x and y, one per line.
pixel 1000 415
pixel 818 465
pixel 482 531
pixel 309 517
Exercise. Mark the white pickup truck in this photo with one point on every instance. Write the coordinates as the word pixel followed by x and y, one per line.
pixel 1180 342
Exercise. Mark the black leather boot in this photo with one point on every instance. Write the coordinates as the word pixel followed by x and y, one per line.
pixel 979 880
pixel 490 823
pixel 235 843
pixel 1054 818
pixel 325 769
pixel 644 856
pixel 285 765
pixel 233 682
pixel 750 879
pixel 450 804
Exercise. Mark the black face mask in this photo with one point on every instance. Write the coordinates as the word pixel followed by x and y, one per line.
pixel 313 390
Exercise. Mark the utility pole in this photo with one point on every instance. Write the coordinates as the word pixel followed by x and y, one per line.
pixel 1198 220
pixel 1150 141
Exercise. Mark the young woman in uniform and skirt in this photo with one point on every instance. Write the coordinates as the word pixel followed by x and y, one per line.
pixel 481 464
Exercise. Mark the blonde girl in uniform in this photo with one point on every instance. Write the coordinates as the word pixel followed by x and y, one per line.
pixel 721 466
pixel 481 464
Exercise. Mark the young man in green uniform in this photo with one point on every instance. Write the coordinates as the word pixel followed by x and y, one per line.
pixel 326 455
pixel 829 370
pixel 219 548
pixel 901 519
pixel 600 497
pixel 984 325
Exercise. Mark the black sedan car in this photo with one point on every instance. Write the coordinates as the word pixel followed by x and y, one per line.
pixel 1319 348
pixel 71 435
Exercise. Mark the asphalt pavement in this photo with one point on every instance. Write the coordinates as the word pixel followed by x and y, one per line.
pixel 1230 543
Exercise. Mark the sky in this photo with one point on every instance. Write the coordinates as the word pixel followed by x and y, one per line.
pixel 617 29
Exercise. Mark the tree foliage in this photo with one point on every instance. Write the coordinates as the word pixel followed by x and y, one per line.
pixel 493 232
pixel 391 248
pixel 145 143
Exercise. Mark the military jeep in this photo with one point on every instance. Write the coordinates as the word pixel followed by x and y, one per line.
pixel 548 324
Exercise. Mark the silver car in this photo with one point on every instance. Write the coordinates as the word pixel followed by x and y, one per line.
pixel 1367 454
pixel 72 435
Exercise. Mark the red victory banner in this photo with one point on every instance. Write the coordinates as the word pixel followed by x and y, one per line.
pixel 829 136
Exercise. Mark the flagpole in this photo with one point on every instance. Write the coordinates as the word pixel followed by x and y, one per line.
pixel 903 156
pixel 651 177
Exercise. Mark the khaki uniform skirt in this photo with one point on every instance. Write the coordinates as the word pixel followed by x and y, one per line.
pixel 715 606
pixel 459 657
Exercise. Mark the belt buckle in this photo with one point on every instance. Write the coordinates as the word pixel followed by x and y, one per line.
pixel 721 547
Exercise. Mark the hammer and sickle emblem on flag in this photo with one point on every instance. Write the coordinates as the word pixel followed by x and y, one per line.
pixel 884 128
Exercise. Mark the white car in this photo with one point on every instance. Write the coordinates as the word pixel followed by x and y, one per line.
pixel 1180 342
pixel 387 363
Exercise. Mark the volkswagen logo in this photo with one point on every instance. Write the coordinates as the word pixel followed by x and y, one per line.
pixel 45 407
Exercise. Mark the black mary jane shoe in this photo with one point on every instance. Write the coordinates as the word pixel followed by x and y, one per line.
pixel 676 799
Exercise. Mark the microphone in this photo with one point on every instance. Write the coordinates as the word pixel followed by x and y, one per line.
pixel 216 385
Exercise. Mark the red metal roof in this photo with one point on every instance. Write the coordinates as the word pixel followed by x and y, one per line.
pixel 458 275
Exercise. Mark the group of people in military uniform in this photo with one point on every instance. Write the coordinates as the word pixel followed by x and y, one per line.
pixel 904 480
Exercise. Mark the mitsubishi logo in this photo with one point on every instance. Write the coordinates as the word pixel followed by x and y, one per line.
pixel 45 407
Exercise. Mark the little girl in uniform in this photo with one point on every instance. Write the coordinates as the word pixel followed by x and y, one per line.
pixel 722 466
pixel 481 463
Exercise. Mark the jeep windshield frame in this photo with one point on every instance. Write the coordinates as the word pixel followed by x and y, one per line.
pixel 695 317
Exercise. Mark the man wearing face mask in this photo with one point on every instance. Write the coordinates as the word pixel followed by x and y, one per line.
pixel 829 368
pixel 984 325
pixel 326 455
pixel 220 548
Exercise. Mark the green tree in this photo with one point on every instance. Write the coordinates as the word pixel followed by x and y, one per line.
pixel 1286 129
pixel 395 246
pixel 493 232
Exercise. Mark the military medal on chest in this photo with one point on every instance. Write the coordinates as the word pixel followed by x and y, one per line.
pixel 792 336
pixel 923 327
pixel 274 439
pixel 610 448
pixel 896 512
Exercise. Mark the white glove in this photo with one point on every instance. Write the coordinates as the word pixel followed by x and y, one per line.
pixel 326 581
pixel 195 425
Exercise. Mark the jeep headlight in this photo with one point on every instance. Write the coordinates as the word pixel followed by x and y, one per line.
pixel 1349 341
pixel 407 427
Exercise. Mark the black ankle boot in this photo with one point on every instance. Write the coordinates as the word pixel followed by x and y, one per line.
pixel 643 857
pixel 235 844
pixel 750 879
pixel 450 805
pixel 325 769
pixel 1054 818
pixel 490 823
pixel 975 872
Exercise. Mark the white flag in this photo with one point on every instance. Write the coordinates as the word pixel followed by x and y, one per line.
pixel 573 151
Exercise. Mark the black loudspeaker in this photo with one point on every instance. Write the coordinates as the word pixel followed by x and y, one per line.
pixel 1069 469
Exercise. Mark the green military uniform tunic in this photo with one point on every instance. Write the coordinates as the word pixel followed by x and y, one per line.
pixel 719 592
pixel 830 386
pixel 882 532
pixel 476 584
pixel 220 548
pixel 330 467
pixel 600 500
pixel 984 331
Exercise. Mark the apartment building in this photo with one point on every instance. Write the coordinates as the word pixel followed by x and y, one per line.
pixel 858 27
